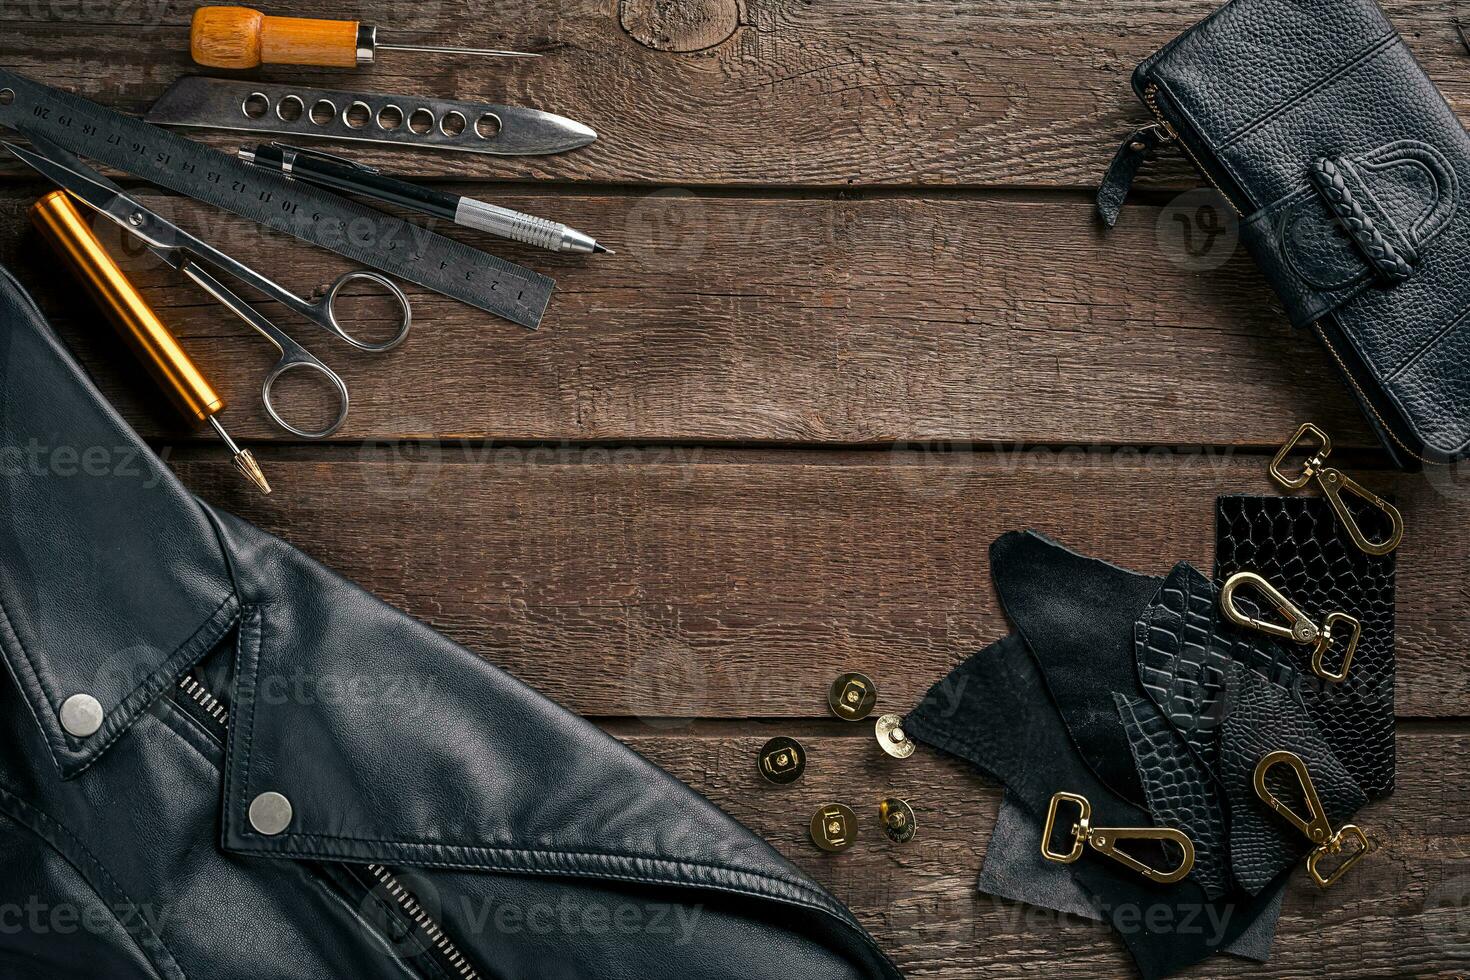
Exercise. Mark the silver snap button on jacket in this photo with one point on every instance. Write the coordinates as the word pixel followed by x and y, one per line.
pixel 270 813
pixel 81 715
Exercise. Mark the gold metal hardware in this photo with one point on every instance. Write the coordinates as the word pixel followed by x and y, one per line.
pixel 852 696
pixel 892 738
pixel 1334 483
pixel 1315 825
pixel 1105 840
pixel 833 827
pixel 1298 628
pixel 897 818
pixel 781 760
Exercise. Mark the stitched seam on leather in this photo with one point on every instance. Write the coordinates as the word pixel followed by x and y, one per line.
pixel 1428 346
pixel 247 638
pixel 39 822
pixel 1347 67
pixel 33 688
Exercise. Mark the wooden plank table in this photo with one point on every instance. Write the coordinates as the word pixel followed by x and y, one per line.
pixel 861 320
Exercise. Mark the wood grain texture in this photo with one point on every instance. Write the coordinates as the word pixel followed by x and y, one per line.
pixel 680 582
pixel 786 320
pixel 897 92
pixel 1398 913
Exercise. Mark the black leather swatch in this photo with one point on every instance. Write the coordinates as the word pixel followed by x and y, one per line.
pixel 1015 870
pixel 1265 717
pixel 1298 545
pixel 1183 657
pixel 988 712
pixel 1076 616
pixel 1181 792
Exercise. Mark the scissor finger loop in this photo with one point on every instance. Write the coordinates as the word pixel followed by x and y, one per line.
pixel 328 307
pixel 302 360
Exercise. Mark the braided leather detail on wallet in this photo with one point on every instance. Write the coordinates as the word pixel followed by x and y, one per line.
pixel 1380 252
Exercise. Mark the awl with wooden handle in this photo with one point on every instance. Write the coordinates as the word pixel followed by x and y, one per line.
pixel 61 224
pixel 240 37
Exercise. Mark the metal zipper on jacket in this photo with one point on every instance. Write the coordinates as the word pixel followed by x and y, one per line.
pixel 1150 96
pixel 458 964
pixel 410 906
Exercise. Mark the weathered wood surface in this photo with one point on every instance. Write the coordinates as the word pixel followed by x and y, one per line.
pixel 753 92
pixel 1401 912
pixel 806 320
pixel 673 582
pixel 840 224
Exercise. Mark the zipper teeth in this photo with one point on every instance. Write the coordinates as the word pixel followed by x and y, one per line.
pixel 1150 95
pixel 410 905
pixel 1362 397
pixel 200 695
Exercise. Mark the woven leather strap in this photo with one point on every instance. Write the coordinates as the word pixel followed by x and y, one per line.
pixel 1386 259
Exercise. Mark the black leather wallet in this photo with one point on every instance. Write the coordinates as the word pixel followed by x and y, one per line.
pixel 1350 173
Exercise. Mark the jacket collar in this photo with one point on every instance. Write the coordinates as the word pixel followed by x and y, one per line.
pixel 112 581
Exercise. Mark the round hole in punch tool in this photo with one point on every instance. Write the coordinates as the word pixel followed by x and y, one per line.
pixel 323 111
pixel 256 105
pixel 390 117
pixel 290 109
pixel 487 127
pixel 421 121
pixel 453 123
pixel 357 115
pixel 7 96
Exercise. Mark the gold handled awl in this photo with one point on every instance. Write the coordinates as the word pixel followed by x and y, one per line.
pixel 59 222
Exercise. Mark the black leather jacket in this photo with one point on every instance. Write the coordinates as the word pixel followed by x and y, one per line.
pixel 279 776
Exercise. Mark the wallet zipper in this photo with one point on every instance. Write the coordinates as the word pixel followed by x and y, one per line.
pixel 211 711
pixel 1171 135
pixel 1362 397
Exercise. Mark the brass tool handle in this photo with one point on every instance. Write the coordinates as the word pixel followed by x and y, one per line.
pixel 239 37
pixel 59 222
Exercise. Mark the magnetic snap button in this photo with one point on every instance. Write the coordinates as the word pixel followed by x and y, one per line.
pixel 782 760
pixel 893 738
pixel 852 696
pixel 834 827
pixel 897 818
pixel 270 813
pixel 81 715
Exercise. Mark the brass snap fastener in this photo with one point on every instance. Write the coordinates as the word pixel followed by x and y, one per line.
pixel 81 715
pixel 834 827
pixel 270 813
pixel 893 738
pixel 782 760
pixel 852 696
pixel 897 818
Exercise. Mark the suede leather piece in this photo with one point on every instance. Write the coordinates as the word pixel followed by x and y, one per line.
pixel 1076 615
pixel 988 712
pixel 1015 870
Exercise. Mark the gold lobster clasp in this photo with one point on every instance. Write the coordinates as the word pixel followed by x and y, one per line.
pixel 1297 627
pixel 1315 825
pixel 1104 840
pixel 1334 484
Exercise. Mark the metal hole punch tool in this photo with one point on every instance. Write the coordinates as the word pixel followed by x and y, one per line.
pixel 1334 484
pixel 1297 628
pixel 1315 825
pixel 62 225
pixel 1105 840
pixel 188 254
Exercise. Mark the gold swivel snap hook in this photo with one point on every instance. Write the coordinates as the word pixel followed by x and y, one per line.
pixel 1315 825
pixel 1104 840
pixel 1297 627
pixel 1334 483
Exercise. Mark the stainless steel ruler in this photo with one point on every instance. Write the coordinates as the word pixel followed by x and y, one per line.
pixel 381 241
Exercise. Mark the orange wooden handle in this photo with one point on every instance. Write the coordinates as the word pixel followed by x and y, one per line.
pixel 239 37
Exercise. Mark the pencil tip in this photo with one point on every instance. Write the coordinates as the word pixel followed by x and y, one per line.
pixel 602 248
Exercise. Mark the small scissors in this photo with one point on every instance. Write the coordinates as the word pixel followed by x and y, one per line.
pixel 182 251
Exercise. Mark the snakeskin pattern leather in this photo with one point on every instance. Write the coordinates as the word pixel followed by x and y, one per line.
pixel 1265 717
pixel 1297 544
pixel 1184 655
pixel 1180 793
